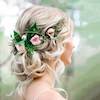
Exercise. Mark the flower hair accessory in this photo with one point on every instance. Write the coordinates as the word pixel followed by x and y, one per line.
pixel 33 38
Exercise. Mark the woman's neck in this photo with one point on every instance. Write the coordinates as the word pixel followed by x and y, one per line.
pixel 44 83
pixel 46 80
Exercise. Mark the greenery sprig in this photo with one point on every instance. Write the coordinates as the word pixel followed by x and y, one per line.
pixel 34 37
pixel 25 40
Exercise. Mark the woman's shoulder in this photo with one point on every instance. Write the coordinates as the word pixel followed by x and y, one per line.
pixel 50 95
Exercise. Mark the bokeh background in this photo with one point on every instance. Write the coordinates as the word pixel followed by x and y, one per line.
pixel 82 78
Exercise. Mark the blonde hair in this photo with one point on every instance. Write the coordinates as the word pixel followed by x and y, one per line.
pixel 27 68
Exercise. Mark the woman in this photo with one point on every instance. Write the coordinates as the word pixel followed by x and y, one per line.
pixel 42 46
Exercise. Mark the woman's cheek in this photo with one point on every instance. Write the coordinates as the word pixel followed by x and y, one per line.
pixel 66 56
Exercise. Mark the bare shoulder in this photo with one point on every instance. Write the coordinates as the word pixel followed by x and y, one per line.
pixel 50 95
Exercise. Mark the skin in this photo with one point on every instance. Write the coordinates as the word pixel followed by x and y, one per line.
pixel 66 56
pixel 43 87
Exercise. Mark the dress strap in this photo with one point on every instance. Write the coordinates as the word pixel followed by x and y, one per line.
pixel 63 92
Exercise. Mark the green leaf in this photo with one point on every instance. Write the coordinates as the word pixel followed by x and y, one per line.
pixel 17 37
pixel 22 42
pixel 30 47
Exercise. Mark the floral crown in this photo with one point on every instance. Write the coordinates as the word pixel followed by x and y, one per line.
pixel 34 37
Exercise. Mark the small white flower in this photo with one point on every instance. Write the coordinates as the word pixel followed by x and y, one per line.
pixel 24 37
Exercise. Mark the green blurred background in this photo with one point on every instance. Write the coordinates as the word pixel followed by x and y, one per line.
pixel 82 78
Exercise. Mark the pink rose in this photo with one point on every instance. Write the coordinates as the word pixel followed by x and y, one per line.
pixel 20 48
pixel 50 32
pixel 35 40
